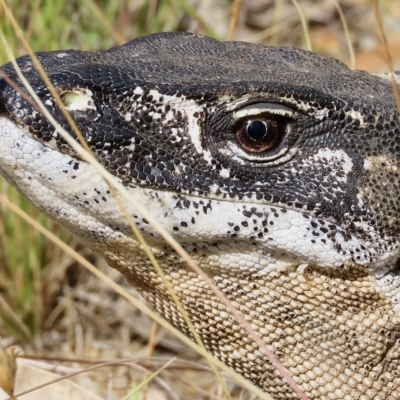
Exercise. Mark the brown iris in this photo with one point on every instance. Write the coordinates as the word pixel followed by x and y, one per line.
pixel 259 134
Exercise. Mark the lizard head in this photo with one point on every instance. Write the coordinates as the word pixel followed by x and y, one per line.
pixel 282 147
pixel 258 160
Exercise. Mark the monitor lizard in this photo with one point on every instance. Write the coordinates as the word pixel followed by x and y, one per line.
pixel 275 168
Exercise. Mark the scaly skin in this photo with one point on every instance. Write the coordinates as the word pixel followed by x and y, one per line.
pixel 298 225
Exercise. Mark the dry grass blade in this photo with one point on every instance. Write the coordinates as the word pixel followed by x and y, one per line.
pixel 154 376
pixel 8 369
pixel 388 56
pixel 304 24
pixel 146 381
pixel 119 37
pixel 82 371
pixel 234 18
pixel 347 34
pixel 151 345
pixel 15 318
pixel 277 22
pixel 124 194
pixel 139 364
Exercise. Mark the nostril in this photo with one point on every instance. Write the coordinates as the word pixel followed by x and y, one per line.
pixel 74 100
pixel 78 100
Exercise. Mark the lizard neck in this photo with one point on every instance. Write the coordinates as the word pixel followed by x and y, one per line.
pixel 304 314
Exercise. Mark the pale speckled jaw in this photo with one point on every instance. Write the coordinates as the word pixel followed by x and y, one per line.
pixel 300 231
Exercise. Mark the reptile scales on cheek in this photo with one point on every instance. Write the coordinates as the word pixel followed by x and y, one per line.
pixel 275 168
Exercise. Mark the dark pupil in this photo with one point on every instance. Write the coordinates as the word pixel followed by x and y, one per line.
pixel 256 130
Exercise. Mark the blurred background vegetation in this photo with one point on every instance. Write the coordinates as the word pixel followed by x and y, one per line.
pixel 48 303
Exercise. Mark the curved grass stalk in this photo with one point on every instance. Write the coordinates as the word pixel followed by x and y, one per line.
pixel 119 37
pixel 235 14
pixel 304 24
pixel 386 50
pixel 148 380
pixel 88 369
pixel 347 34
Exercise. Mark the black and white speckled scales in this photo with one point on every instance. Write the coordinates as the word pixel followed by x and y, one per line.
pixel 275 168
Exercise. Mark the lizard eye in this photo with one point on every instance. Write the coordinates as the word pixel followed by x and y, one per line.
pixel 259 134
